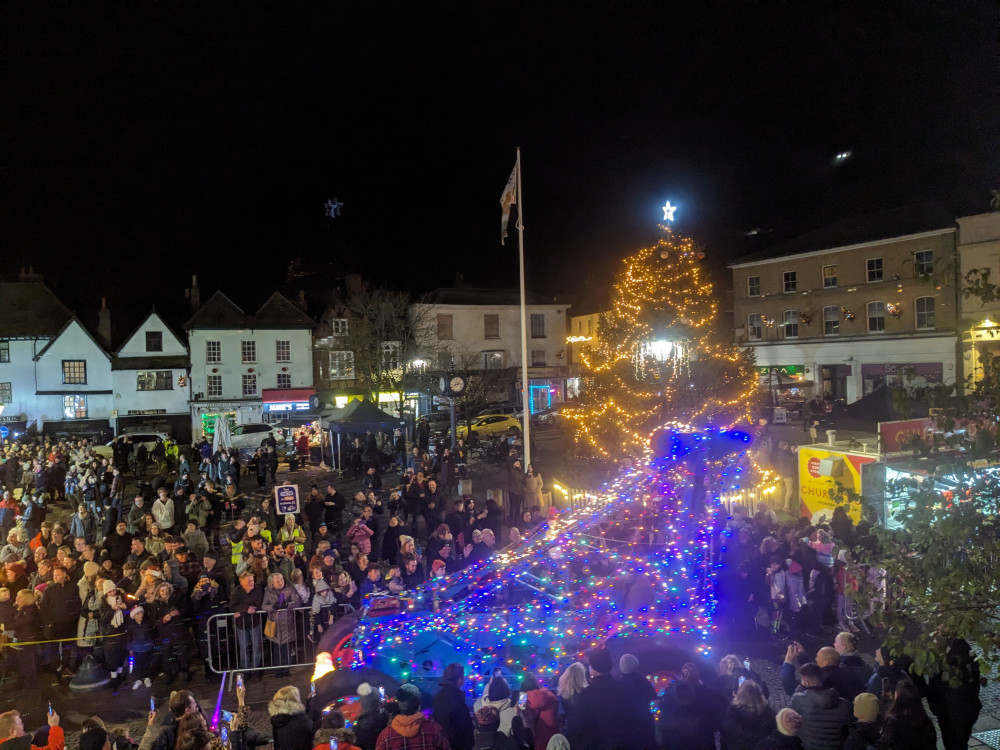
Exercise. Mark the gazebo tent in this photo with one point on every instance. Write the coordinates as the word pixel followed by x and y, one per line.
pixel 358 416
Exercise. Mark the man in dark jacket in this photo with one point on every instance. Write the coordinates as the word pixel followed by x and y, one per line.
pixel 855 667
pixel 638 693
pixel 118 544
pixel 181 703
pixel 825 715
pixel 247 602
pixel 59 612
pixel 600 721
pixel 451 711
pixel 333 509
pixel 846 681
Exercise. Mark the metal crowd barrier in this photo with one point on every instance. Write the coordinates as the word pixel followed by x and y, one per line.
pixel 238 644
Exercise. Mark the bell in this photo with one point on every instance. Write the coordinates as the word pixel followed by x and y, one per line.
pixel 90 675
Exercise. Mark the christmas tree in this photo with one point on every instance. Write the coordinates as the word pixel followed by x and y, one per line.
pixel 660 358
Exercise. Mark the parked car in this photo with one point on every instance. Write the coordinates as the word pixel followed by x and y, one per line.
pixel 138 438
pixel 251 435
pixel 487 425
pixel 510 409
pixel 547 416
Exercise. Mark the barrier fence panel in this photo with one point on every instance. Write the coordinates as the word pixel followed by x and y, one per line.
pixel 246 643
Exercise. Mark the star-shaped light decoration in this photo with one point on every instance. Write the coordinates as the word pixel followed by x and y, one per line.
pixel 668 212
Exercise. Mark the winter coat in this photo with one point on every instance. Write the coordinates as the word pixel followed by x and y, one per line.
pixel 291 727
pixel 24 622
pixel 742 729
pixel 863 735
pixel 163 513
pixel 598 719
pixel 542 707
pixel 369 726
pixel 361 535
pixel 855 674
pixel 915 733
pixel 689 714
pixel 60 610
pixel 141 637
pixel 825 716
pixel 412 732
pixel 778 741
pixel 506 708
pixel 452 713
pixel 532 493
pixel 280 606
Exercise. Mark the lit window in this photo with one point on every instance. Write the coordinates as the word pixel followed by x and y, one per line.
pixel 75 407
pixel 74 371
pixel 284 380
pixel 791 322
pixel 283 351
pixel 341 365
pixel 790 281
pixel 493 360
pixel 829 276
pixel 154 341
pixel 250 385
pixel 755 326
pixel 873 266
pixel 923 263
pixel 339 326
pixel 249 351
pixel 215 386
pixel 213 352
pixel 876 317
pixel 753 286
pixel 537 326
pixel 491 326
pixel 154 380
pixel 538 358
pixel 924 307
pixel 831 321
pixel 6 394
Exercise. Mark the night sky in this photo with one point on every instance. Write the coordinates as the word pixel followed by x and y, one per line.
pixel 143 142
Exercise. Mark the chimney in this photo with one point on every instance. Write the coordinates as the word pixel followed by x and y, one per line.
pixel 195 294
pixel 104 323
pixel 302 299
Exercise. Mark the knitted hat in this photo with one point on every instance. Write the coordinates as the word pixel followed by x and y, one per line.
pixel 488 715
pixel 369 697
pixel 107 587
pixel 438 565
pixel 90 568
pixel 408 698
pixel 600 660
pixel 866 707
pixel 628 664
pixel 789 722
pixel 211 554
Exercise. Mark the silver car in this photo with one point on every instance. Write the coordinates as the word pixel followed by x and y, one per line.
pixel 138 438
pixel 250 436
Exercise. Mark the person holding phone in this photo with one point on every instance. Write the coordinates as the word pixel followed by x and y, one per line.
pixel 450 710
pixel 539 710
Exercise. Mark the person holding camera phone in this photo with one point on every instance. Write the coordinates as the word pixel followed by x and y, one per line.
pixel 111 623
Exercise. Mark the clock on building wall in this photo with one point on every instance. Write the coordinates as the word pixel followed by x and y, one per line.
pixel 451 385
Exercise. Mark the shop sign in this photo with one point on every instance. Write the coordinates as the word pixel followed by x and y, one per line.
pixel 226 406
pixel 791 371
pixel 820 471
pixel 288 406
pixel 145 412
pixel 286 499
pixel 11 418
pixel 893 435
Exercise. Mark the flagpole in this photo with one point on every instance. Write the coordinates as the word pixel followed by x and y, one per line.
pixel 525 393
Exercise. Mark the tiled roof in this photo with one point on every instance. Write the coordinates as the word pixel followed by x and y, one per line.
pixel 280 312
pixel 220 312
pixel 29 308
pixel 857 230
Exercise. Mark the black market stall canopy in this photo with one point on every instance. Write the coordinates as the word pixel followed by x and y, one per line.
pixel 360 416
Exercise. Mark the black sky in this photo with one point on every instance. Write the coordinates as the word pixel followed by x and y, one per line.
pixel 143 142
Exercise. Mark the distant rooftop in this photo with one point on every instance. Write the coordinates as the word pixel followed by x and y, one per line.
pixel 472 296
pixel 220 312
pixel 29 308
pixel 857 230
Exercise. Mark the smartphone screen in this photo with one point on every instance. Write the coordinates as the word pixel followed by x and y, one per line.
pixel 334 744
pixel 152 704
pixel 224 735
pixel 741 680
pixel 226 715
pixel 239 680
pixel 50 708
pixel 381 692
pixel 522 700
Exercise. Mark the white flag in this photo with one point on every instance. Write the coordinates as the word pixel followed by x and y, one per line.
pixel 507 199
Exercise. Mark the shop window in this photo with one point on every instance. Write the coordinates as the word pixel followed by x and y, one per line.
pixel 6 394
pixel 283 351
pixel 924 308
pixel 791 324
pixel 753 286
pixel 214 386
pixel 537 326
pixel 790 281
pixel 831 320
pixel 75 406
pixel 341 365
pixel 284 380
pixel 538 358
pixel 873 268
pixel 755 326
pixel 491 326
pixel 154 341
pixel 74 371
pixel 249 351
pixel 154 380
pixel 213 352
pixel 250 385
pixel 445 327
pixel 829 276
pixel 876 317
